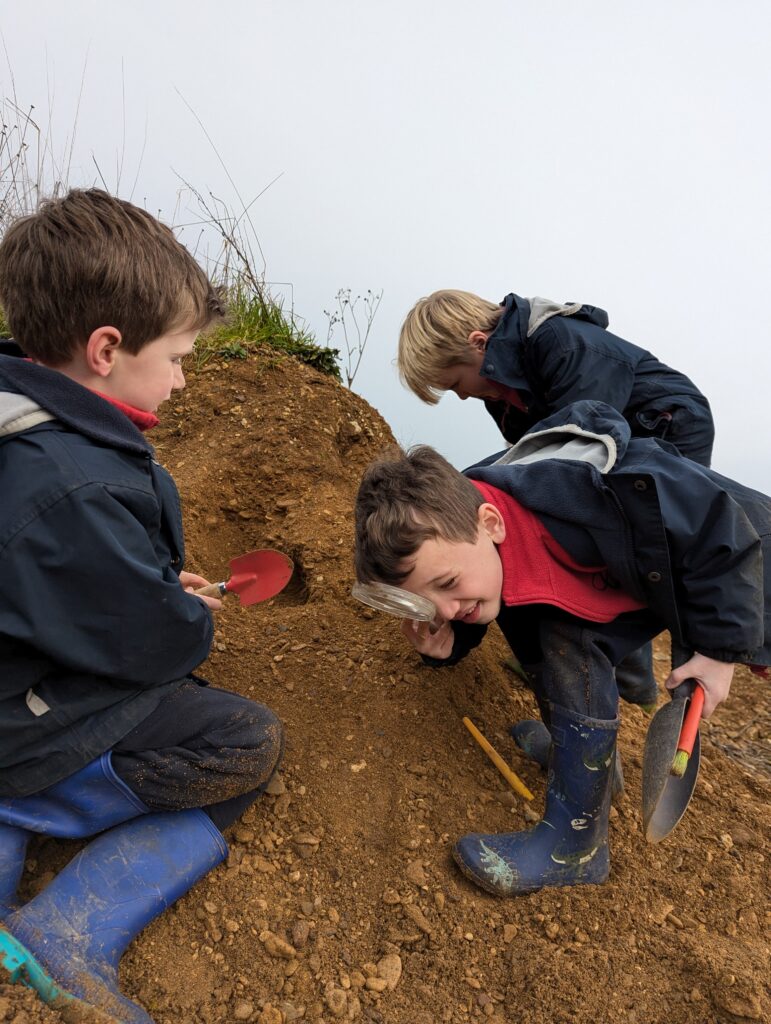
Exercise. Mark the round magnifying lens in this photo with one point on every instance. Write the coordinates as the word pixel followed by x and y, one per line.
pixel 387 598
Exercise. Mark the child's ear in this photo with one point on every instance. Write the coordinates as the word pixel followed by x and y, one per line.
pixel 491 521
pixel 101 349
pixel 478 340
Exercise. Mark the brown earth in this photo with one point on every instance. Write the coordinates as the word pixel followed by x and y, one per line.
pixel 342 877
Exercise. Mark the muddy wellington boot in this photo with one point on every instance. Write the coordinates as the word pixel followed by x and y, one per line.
pixel 569 846
pixel 67 942
pixel 85 803
pixel 534 739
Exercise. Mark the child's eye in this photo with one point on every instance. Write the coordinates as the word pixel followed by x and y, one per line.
pixel 448 584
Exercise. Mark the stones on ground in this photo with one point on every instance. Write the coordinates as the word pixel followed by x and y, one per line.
pixel 300 933
pixel 276 946
pixel 415 873
pixel 389 970
pixel 270 1015
pixel 336 999
pixel 243 1010
pixel 418 918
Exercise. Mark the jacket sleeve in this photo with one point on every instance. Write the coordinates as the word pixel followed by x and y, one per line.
pixel 716 559
pixel 572 368
pixel 82 583
pixel 467 637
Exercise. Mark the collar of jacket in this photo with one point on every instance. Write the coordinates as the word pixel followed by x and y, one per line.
pixel 70 403
pixel 505 359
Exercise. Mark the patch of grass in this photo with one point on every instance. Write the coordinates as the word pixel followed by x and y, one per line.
pixel 256 319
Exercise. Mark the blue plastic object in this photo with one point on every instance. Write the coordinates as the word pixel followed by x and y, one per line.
pixel 13 847
pixel 67 942
pixel 569 846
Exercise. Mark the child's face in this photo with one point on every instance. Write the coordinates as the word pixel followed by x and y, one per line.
pixel 148 378
pixel 464 379
pixel 464 580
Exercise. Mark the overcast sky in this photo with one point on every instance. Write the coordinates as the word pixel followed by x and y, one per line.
pixel 613 153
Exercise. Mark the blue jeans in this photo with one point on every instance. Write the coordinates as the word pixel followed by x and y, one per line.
pixel 571 662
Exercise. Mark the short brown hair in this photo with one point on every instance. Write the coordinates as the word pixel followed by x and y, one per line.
pixel 404 499
pixel 88 260
pixel 434 336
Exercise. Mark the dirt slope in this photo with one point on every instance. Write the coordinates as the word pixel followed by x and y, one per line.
pixel 339 900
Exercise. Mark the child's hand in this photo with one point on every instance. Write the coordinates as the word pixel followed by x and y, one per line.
pixel 433 645
pixel 190 583
pixel 715 678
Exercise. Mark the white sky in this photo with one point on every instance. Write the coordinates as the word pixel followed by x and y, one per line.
pixel 613 153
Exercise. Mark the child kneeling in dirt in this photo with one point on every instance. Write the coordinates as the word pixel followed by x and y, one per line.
pixel 582 543
pixel 103 728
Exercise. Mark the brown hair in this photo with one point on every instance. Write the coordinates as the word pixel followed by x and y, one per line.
pixel 434 336
pixel 89 260
pixel 404 499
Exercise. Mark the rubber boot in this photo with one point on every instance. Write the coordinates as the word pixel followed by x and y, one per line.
pixel 534 739
pixel 89 801
pixel 67 942
pixel 13 847
pixel 569 846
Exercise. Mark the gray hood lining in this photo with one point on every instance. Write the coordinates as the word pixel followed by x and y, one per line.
pixel 568 442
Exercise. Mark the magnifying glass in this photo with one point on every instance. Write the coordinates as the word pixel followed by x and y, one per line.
pixel 395 601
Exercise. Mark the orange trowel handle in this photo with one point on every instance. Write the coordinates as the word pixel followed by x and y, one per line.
pixel 691 722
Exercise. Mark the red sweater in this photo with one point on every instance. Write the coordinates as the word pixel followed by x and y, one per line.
pixel 538 570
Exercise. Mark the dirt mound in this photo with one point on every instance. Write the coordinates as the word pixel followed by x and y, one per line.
pixel 339 900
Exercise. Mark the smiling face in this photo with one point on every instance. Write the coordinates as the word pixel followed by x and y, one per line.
pixel 463 579
pixel 147 379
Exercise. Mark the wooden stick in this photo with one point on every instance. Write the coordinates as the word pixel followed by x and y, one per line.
pixel 513 780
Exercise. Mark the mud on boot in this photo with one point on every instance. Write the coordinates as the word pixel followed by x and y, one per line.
pixel 569 846
pixel 534 739
pixel 67 942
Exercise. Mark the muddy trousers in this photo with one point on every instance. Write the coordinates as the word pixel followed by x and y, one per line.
pixel 201 747
pixel 571 661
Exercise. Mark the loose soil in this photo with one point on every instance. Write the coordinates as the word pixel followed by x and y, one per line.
pixel 339 900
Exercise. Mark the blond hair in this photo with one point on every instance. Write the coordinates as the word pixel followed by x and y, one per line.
pixel 434 336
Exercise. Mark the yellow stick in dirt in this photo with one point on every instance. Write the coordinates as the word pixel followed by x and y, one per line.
pixel 513 780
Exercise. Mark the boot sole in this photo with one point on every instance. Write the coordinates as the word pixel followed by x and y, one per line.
pixel 18 965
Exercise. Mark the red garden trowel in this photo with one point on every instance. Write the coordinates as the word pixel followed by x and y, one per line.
pixel 671 760
pixel 255 576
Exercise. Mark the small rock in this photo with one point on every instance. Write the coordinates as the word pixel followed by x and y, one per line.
pixel 390 970
pixel 416 915
pixel 439 901
pixel 530 814
pixel 552 929
pixel 510 932
pixel 270 1015
pixel 415 873
pixel 376 984
pixel 335 999
pixel 275 786
pixel 276 946
pixel 300 933
pixel 243 1010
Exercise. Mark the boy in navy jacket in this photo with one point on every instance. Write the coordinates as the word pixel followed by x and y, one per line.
pixel 583 543
pixel 103 727
pixel 528 358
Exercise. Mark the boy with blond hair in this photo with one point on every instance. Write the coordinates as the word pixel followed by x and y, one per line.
pixel 103 726
pixel 582 543
pixel 528 358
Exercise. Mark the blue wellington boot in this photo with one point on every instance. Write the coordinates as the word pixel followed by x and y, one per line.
pixel 13 847
pixel 89 801
pixel 67 942
pixel 569 846
pixel 534 739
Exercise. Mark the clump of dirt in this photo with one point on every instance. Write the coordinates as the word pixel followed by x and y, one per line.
pixel 339 900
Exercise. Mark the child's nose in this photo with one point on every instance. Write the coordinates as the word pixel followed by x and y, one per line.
pixel 447 608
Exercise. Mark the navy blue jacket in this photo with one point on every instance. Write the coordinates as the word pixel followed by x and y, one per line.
pixel 95 628
pixel 555 358
pixel 693 545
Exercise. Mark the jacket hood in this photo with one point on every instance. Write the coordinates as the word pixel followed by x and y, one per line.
pixel 31 394
pixel 590 432
pixel 520 319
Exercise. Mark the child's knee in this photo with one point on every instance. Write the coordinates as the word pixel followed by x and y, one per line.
pixel 261 735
